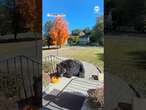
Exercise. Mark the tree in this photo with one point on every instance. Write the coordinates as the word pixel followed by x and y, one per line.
pixel 20 16
pixel 38 15
pixel 47 27
pixel 46 37
pixel 76 32
pixel 59 32
pixel 6 18
pixel 131 15
pixel 98 31
pixel 26 10
pixel 73 40
pixel 87 31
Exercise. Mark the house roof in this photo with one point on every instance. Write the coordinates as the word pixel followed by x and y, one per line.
pixel 81 33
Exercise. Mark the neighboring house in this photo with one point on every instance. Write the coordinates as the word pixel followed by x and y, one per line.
pixel 84 40
pixel 80 39
pixel 66 42
pixel 81 33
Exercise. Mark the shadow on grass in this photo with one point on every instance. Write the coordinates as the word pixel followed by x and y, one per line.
pixel 138 58
pixel 100 56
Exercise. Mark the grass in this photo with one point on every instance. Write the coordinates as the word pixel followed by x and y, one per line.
pixel 125 57
pixel 92 55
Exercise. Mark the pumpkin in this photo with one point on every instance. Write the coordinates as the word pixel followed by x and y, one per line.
pixel 55 79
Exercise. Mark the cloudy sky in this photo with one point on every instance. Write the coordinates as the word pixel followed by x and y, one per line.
pixel 78 13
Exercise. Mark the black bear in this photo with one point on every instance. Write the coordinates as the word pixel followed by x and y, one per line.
pixel 69 68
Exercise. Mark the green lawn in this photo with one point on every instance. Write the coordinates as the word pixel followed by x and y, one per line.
pixel 92 55
pixel 126 57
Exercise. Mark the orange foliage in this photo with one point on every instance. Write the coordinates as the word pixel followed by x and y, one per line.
pixel 26 9
pixel 39 15
pixel 59 31
pixel 30 11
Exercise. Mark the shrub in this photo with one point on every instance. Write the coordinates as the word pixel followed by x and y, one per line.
pixel 45 42
pixel 73 40
pixel 96 97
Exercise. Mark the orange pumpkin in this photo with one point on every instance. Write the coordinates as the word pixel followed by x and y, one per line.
pixel 55 79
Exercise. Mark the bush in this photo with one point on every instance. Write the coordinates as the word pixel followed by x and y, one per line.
pixel 101 41
pixel 97 37
pixel 73 40
pixel 96 97
pixel 45 42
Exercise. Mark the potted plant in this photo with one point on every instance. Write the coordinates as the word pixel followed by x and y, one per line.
pixel 96 97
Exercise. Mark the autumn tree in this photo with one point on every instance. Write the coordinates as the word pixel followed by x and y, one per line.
pixel 26 16
pixel 38 16
pixel 26 10
pixel 19 16
pixel 59 32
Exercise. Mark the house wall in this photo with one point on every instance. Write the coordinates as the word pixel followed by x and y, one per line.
pixel 84 41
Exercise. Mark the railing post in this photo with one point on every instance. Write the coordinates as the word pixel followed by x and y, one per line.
pixel 21 71
pixel 7 63
pixel 33 69
pixel 29 78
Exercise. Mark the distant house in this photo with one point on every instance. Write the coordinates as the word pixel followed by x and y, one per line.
pixel 84 40
pixel 81 38
pixel 81 33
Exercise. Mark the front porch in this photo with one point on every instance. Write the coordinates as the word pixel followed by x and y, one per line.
pixel 69 93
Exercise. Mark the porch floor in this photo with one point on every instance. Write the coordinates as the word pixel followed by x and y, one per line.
pixel 69 94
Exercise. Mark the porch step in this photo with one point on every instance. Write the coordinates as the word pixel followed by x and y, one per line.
pixel 80 86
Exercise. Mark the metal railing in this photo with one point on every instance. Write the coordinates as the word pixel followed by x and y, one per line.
pixel 50 62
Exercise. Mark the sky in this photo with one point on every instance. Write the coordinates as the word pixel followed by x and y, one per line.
pixel 78 13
